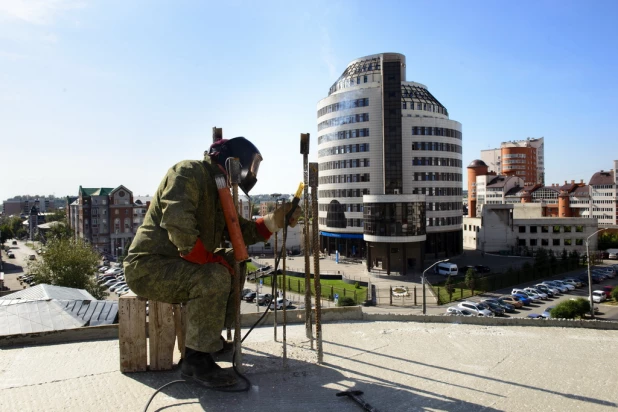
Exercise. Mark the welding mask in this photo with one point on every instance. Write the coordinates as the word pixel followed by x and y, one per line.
pixel 246 152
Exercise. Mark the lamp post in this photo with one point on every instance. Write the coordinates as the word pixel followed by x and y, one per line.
pixel 590 277
pixel 423 282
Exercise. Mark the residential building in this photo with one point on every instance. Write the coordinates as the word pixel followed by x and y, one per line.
pixel 514 228
pixel 389 157
pixel 522 158
pixel 598 199
pixel 107 217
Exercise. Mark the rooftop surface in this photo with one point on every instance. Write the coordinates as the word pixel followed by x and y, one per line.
pixel 400 366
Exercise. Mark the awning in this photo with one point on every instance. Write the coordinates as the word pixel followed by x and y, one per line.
pixel 342 235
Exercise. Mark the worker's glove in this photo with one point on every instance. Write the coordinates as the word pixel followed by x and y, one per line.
pixel 276 220
pixel 201 256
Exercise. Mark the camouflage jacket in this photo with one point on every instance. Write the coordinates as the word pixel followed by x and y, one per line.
pixel 185 206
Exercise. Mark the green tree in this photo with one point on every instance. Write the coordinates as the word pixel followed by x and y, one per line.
pixel 449 287
pixel 541 262
pixel 70 263
pixel 6 233
pixel 56 215
pixel 59 230
pixel 553 262
pixel 471 279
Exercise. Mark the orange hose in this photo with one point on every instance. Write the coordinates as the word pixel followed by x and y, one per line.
pixel 233 226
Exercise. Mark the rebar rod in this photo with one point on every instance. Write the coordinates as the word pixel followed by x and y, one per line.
pixel 239 267
pixel 313 182
pixel 285 319
pixel 304 150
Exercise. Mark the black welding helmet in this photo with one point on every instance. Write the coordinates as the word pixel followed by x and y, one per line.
pixel 246 152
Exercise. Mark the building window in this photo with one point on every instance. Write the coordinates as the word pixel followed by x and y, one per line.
pixel 522 229
pixel 116 211
pixel 544 229
pixel 556 229
pixel 544 242
pixel 567 242
pixel 567 229
pixel 533 229
pixel 556 242
pixel 364 79
pixel 579 242
pixel 522 242
pixel 533 242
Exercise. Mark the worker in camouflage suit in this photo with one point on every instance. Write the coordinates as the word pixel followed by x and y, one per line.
pixel 175 257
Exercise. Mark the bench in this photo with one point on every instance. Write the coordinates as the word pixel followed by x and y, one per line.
pixel 157 331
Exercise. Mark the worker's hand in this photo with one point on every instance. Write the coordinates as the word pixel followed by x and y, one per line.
pixel 199 255
pixel 276 220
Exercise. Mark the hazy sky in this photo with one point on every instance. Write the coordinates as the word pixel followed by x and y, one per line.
pixel 103 93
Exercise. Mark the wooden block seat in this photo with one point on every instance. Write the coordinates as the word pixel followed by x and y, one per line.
pixel 157 330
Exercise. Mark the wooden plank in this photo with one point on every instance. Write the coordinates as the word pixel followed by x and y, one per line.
pixel 132 333
pixel 162 335
pixel 180 321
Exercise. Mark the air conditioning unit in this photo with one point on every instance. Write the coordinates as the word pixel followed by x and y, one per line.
pixel 396 191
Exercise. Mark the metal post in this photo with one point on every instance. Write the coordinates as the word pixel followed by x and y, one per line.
pixel 285 319
pixel 589 275
pixel 423 282
pixel 313 182
pixel 276 196
pixel 304 150
pixel 239 267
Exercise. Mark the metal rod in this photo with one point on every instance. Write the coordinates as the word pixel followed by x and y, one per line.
pixel 274 293
pixel 285 319
pixel 239 267
pixel 304 150
pixel 313 182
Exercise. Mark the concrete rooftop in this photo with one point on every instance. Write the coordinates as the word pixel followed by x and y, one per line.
pixel 400 366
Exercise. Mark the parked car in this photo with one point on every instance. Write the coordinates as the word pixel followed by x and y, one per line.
pixel 32 257
pixel 537 292
pixel 498 301
pixel 567 285
pixel 250 297
pixel 547 313
pixel 117 286
pixel 113 271
pixel 244 292
pixel 109 283
pixel 608 291
pixel 533 296
pixel 598 296
pixel 482 269
pixel 455 311
pixel 121 291
pixel 464 269
pixel 11 255
pixel 264 298
pixel 523 298
pixel 14 242
pixel 495 308
pixel 551 283
pixel 102 269
pixel 104 279
pixel 551 292
pixel 477 308
pixel 280 304
pixel 512 300
pixel 574 281
pixel 534 316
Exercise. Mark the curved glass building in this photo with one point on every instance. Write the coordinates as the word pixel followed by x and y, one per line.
pixel 390 171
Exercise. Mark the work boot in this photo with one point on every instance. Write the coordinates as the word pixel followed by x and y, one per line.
pixel 201 368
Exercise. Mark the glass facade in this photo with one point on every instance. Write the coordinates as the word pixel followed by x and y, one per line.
pixel 394 219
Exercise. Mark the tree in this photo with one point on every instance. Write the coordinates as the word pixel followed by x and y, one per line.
pixel 56 215
pixel 541 262
pixel 70 263
pixel 471 279
pixel 449 287
pixel 60 230
pixel 6 233
pixel 553 262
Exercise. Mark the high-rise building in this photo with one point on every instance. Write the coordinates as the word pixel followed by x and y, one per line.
pixel 521 158
pixel 390 168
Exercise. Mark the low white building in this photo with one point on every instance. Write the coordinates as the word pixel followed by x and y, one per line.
pixel 515 227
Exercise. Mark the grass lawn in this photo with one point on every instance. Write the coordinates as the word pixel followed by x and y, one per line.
pixel 329 287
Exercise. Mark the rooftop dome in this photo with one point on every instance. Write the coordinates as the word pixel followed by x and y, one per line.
pixel 477 163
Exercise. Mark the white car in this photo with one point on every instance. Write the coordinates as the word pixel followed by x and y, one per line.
pixel 280 304
pixel 547 289
pixel 455 311
pixel 540 293
pixel 122 290
pixel 573 282
pixel 532 296
pixel 102 269
pixel 113 271
pixel 477 308
pixel 598 296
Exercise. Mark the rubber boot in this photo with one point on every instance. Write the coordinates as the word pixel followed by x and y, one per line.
pixel 201 368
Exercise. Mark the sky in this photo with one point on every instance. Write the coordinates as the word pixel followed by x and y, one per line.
pixel 102 93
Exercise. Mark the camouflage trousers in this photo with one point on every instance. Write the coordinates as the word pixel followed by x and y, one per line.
pixel 207 289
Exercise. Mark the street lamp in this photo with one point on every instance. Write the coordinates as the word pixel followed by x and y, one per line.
pixel 590 277
pixel 423 282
